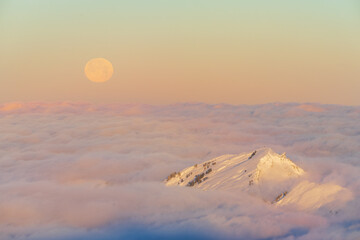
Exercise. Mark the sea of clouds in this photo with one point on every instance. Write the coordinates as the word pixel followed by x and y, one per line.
pixel 85 171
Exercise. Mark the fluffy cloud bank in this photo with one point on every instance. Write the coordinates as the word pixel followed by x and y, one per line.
pixel 83 171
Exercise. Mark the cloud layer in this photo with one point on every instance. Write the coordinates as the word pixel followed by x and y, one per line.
pixel 77 170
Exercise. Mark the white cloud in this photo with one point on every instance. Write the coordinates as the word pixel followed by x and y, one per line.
pixel 72 171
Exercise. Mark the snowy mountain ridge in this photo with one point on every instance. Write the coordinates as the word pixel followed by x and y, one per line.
pixel 263 173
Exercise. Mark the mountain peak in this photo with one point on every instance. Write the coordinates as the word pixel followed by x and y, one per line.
pixel 263 173
pixel 237 172
pixel 275 167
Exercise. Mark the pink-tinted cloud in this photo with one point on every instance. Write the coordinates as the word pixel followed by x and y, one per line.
pixel 311 108
pixel 77 170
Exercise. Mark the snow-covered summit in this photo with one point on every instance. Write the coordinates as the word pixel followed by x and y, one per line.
pixel 262 172
pixel 243 172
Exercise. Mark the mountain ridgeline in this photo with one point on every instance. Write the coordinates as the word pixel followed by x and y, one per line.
pixel 263 173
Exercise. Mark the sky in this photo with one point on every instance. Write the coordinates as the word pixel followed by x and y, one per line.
pixel 163 52
pixel 84 171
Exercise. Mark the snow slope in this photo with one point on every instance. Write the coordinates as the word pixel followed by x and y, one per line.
pixel 309 195
pixel 264 173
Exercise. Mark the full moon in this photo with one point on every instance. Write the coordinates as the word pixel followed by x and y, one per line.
pixel 98 70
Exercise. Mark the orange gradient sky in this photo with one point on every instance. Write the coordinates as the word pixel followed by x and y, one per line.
pixel 238 52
